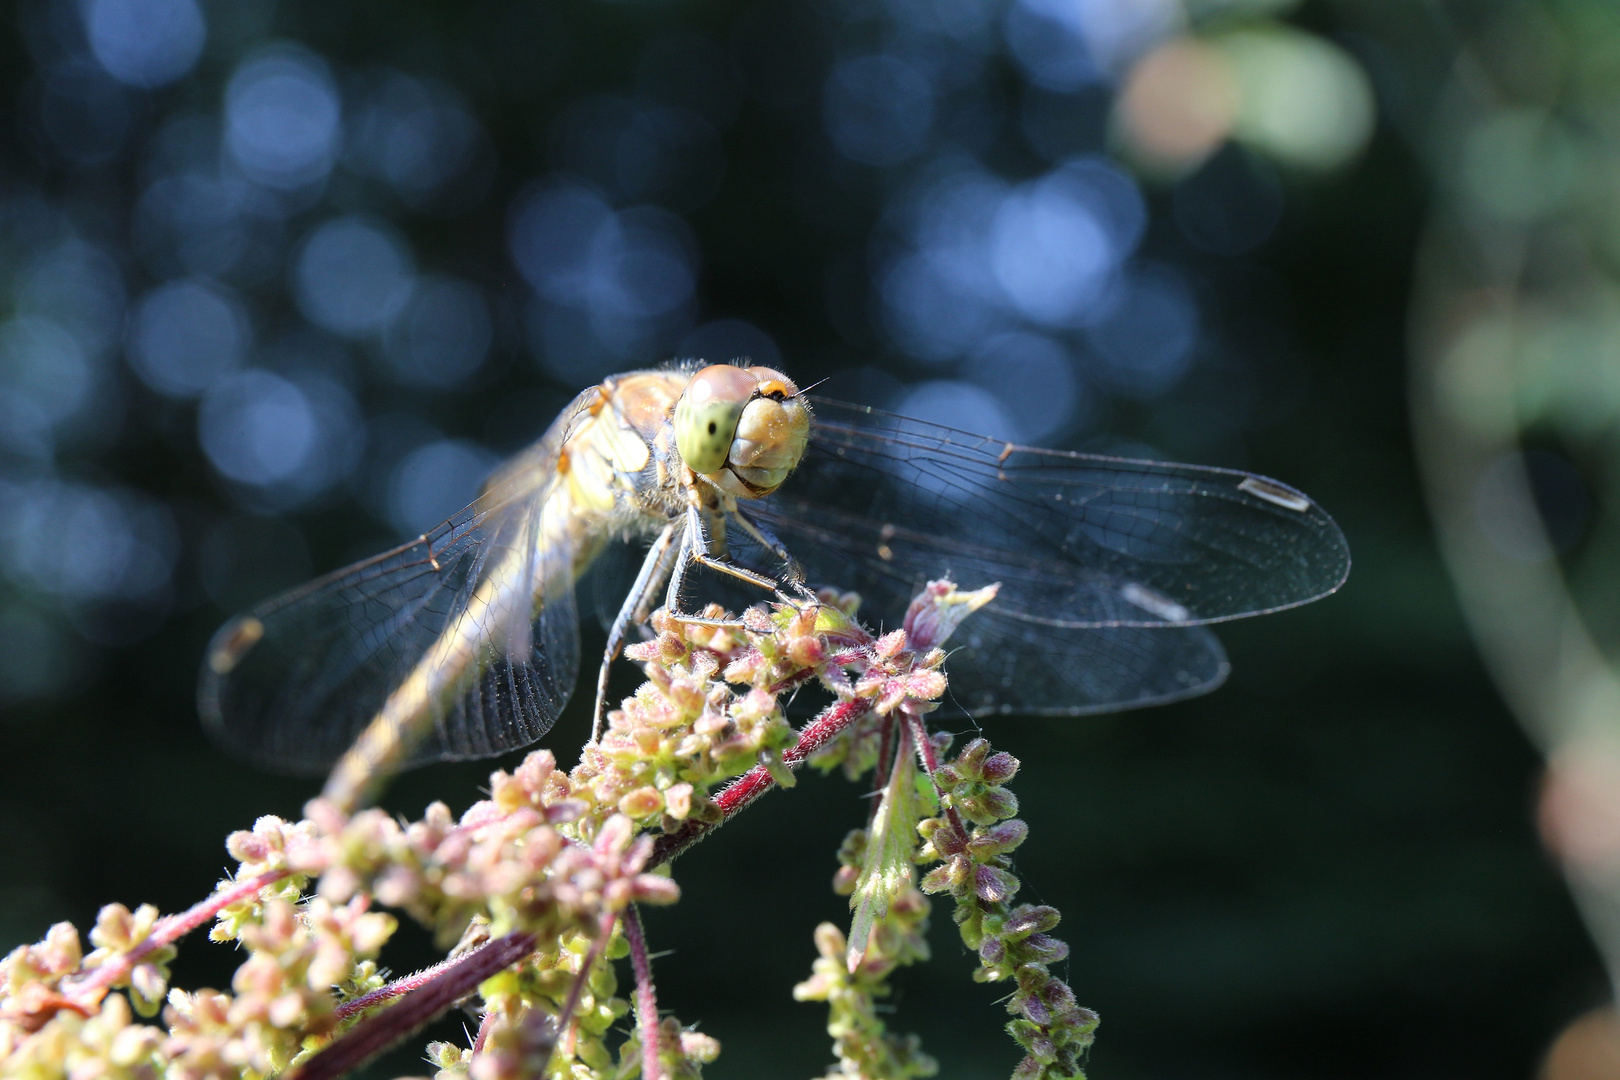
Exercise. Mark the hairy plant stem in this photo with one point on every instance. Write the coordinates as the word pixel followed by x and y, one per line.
pixel 930 763
pixel 741 792
pixel 452 981
pixel 166 931
pixel 646 996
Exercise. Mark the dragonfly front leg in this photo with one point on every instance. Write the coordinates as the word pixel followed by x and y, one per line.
pixel 698 549
pixel 792 574
pixel 657 566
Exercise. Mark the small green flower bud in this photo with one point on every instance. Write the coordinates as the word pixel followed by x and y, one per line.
pixel 1033 1009
pixel 938 832
pixel 937 880
pixel 990 805
pixel 147 984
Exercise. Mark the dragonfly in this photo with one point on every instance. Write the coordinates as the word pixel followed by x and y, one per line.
pixel 464 643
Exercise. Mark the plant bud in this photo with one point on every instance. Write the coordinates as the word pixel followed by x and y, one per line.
pixel 1031 919
pixel 1043 949
pixel 999 768
pixel 997 839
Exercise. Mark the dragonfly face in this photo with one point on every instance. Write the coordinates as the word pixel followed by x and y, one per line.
pixel 465 642
pixel 742 429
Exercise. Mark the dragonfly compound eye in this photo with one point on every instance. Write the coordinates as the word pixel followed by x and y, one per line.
pixel 771 436
pixel 706 416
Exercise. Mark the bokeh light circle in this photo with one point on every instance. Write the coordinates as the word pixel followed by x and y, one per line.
pixel 145 42
pixel 443 334
pixel 257 428
pixel 352 276
pixel 434 481
pixel 186 334
pixel 283 118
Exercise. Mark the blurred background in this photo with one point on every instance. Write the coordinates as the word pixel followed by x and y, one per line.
pixel 280 281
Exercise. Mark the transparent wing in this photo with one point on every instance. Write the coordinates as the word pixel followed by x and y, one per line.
pixel 291 683
pixel 1000 664
pixel 1109 567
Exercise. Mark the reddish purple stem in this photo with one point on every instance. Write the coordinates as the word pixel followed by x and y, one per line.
pixel 171 928
pixel 930 763
pixel 450 982
pixel 646 996
pixel 400 987
pixel 741 792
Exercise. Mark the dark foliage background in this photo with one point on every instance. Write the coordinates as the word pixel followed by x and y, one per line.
pixel 278 286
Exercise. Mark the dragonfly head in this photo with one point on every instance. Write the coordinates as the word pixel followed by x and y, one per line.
pixel 742 428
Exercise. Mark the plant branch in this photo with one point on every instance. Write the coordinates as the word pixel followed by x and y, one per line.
pixel 741 792
pixel 169 929
pixel 452 981
pixel 565 1016
pixel 930 763
pixel 402 986
pixel 646 996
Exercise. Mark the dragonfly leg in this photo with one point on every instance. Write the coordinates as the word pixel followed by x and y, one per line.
pixel 655 568
pixel 695 549
pixel 792 575
pixel 699 551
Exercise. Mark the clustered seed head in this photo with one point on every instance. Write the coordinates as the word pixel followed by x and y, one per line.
pixel 551 853
pixel 553 857
pixel 863 1045
pixel 1012 942
pixel 686 729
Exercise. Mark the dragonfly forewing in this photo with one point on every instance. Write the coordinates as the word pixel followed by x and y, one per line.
pixel 487 598
pixel 1109 568
pixel 1076 539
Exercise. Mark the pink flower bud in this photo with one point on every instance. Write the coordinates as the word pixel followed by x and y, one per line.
pixel 1030 918
pixel 653 889
pixel 993 885
pixel 997 839
pixel 999 768
pixel 807 652
pixel 890 645
pixel 286 1010
pixel 247 847
pixel 1043 949
pixel 642 802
